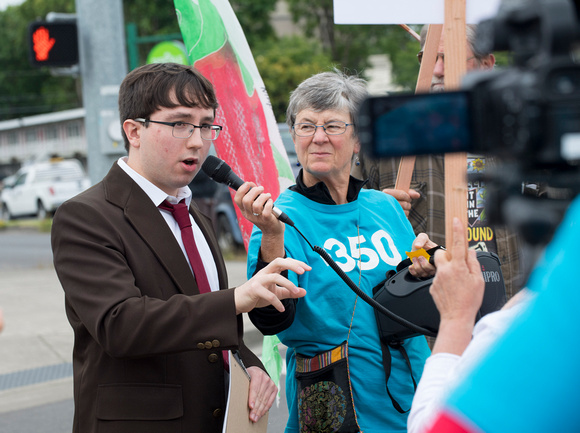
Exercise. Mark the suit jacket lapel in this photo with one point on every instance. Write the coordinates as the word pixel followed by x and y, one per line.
pixel 146 219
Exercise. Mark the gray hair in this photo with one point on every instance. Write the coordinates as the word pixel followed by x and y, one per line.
pixel 470 32
pixel 327 91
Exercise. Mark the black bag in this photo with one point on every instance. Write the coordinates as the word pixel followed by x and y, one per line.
pixel 324 393
pixel 409 297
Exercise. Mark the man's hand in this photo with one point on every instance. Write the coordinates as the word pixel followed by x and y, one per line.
pixel 267 287
pixel 262 393
pixel 404 198
pixel 457 290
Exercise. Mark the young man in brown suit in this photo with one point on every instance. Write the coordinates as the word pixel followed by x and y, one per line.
pixel 148 345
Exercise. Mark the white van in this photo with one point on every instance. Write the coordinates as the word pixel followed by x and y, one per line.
pixel 38 189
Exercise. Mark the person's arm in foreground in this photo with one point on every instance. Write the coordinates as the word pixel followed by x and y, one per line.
pixel 457 290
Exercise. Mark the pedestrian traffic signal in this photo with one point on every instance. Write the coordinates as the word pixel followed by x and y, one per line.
pixel 53 43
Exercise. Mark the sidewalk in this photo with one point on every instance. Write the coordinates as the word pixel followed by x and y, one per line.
pixel 36 344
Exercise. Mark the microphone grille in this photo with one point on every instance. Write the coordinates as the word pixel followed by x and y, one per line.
pixel 216 168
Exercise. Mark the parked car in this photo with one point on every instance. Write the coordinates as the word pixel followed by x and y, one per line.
pixel 38 189
pixel 289 146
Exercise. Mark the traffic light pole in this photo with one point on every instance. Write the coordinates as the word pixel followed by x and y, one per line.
pixel 103 66
pixel 133 41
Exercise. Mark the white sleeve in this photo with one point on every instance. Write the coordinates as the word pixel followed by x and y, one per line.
pixel 431 390
pixel 444 370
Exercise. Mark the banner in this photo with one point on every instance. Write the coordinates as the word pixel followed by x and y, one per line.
pixel 407 12
pixel 250 142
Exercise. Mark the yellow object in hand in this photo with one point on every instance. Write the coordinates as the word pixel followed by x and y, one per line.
pixel 419 253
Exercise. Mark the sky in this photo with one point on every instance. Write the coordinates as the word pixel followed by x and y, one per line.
pixel 6 3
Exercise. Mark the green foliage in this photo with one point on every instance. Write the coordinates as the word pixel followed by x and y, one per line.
pixel 503 59
pixel 285 64
pixel 351 45
pixel 254 17
pixel 401 48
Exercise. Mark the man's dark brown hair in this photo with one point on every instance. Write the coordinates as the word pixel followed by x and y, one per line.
pixel 150 87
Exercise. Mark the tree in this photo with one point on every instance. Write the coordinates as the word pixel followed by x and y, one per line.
pixel 351 45
pixel 285 64
pixel 254 17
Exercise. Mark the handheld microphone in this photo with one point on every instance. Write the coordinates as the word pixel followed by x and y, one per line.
pixel 221 172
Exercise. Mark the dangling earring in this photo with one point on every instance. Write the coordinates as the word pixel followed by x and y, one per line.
pixel 297 163
pixel 356 160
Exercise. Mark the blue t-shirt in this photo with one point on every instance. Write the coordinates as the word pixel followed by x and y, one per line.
pixel 367 238
pixel 529 380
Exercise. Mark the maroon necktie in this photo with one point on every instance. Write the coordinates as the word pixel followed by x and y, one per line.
pixel 181 214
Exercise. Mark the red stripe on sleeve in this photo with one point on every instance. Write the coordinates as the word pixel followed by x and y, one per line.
pixel 448 423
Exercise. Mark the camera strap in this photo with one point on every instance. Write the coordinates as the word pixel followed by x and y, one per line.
pixel 387 367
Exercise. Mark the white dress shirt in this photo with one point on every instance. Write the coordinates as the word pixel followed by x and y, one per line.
pixel 157 196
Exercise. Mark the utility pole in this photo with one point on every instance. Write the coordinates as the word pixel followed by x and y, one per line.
pixel 103 65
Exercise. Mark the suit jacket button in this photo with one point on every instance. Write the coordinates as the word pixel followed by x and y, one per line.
pixel 208 345
pixel 215 343
pixel 212 357
pixel 217 413
pixel 200 346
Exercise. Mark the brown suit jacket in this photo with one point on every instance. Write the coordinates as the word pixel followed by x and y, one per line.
pixel 146 351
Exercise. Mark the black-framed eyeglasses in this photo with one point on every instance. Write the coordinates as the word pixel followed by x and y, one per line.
pixel 185 130
pixel 335 127
pixel 439 56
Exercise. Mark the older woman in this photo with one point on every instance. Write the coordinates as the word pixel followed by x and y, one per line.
pixel 336 381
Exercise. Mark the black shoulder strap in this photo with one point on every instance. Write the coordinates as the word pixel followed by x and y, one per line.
pixel 387 366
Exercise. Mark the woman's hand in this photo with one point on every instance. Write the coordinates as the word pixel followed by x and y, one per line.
pixel 256 206
pixel 421 268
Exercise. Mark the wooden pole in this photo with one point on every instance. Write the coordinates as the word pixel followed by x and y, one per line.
pixel 455 67
pixel 407 164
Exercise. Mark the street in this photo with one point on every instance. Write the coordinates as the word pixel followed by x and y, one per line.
pixel 36 344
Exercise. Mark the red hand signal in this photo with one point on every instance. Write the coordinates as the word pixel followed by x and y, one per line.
pixel 43 43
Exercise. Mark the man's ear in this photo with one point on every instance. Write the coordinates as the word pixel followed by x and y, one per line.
pixel 133 132
pixel 488 62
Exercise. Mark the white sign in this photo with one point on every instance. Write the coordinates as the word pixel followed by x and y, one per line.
pixel 407 11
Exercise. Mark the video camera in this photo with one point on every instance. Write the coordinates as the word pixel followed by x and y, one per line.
pixel 528 115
